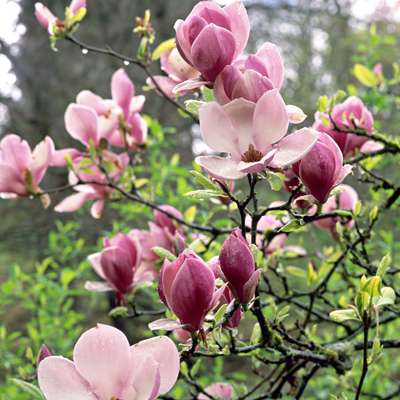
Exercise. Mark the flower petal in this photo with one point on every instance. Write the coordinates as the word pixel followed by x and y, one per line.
pixel 217 130
pixel 191 84
pixel 74 202
pixel 41 158
pixel 101 356
pixel 296 114
pixel 59 380
pixel 165 354
pixel 122 90
pixel 221 168
pixel 98 286
pixel 257 166
pixel 270 120
pixel 294 147
pixel 81 123
pixel 88 98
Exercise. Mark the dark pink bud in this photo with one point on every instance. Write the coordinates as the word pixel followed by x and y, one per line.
pixel 237 267
pixel 187 287
pixel 322 169
pixel 43 353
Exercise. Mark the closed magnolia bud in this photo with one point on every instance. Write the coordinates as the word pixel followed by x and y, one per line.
pixel 237 267
pixel 321 169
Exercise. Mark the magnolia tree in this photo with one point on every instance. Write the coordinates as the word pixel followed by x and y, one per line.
pixel 227 275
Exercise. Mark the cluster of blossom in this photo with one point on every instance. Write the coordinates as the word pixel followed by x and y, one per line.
pixel 249 121
pixel 128 261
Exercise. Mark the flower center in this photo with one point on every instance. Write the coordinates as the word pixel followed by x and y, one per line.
pixel 252 155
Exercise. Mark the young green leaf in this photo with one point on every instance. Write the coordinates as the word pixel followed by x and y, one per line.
pixel 365 76
pixel 383 266
pixel 193 106
pixel 344 315
pixel 220 313
pixel 27 387
pixel 292 225
pixel 205 181
pixel 163 48
pixel 163 253
pixel 204 194
pixel 274 180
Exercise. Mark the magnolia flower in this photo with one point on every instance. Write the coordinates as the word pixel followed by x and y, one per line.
pixel 93 118
pixel 219 33
pixel 348 115
pixel 187 287
pixel 105 367
pixel 247 130
pixel 21 170
pixel 118 263
pixel 321 169
pixel 46 18
pixel 92 191
pixel 178 71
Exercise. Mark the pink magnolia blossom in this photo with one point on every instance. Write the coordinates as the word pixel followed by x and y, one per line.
pixel 220 33
pixel 356 116
pixel 178 71
pixel 219 389
pixel 46 18
pixel 321 169
pixel 378 72
pixel 118 263
pixel 21 170
pixel 187 287
pixel 237 267
pixel 262 72
pixel 98 191
pixel 345 200
pixel 93 118
pixel 105 367
pixel 247 130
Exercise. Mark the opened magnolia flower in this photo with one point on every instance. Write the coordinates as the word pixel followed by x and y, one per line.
pixel 247 131
pixel 105 367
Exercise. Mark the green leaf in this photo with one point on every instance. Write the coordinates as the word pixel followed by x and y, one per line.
pixel 208 94
pixel 182 113
pixel 325 121
pixel 256 335
pixel 27 387
pixel 92 149
pixel 388 296
pixel 312 275
pixel 296 271
pixel 163 253
pixel 352 90
pixel 118 311
pixel 204 194
pixel 142 47
pixel 292 225
pixel 78 16
pixel 365 76
pixel 256 252
pixel 376 351
pixel 274 180
pixel 195 367
pixel 53 41
pixel 190 213
pixel 87 170
pixel 109 166
pixel 383 266
pixel 205 181
pixel 220 313
pixel 184 368
pixel 163 48
pixel 344 213
pixel 339 96
pixel 361 301
pixel 69 162
pixel 336 191
pixel 344 315
pixel 193 106
pixel 85 162
pixel 284 311
pixel 373 214
pixel 357 208
pixel 322 103
pixel 371 286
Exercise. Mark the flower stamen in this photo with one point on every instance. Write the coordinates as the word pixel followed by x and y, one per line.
pixel 252 155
